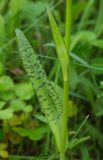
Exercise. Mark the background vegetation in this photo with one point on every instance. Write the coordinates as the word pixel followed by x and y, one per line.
pixel 24 133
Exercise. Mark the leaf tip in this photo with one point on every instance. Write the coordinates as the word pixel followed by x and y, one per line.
pixel 48 11
pixel 17 31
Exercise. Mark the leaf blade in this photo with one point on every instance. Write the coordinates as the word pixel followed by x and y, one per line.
pixel 42 86
pixel 60 46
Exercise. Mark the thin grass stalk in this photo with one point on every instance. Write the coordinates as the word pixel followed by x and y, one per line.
pixel 68 23
pixel 64 135
pixel 62 156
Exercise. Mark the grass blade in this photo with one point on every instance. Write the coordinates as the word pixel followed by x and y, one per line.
pixel 60 46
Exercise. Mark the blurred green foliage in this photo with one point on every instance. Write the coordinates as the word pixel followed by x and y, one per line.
pixel 23 130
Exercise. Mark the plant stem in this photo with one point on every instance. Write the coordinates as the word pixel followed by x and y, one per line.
pixel 68 23
pixel 64 131
pixel 64 135
pixel 62 156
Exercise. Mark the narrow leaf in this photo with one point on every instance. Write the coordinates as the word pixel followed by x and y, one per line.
pixel 60 46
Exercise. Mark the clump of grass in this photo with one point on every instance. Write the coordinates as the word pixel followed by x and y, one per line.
pixel 55 112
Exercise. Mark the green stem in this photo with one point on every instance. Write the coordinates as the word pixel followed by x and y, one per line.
pixel 68 23
pixel 64 131
pixel 64 134
pixel 62 156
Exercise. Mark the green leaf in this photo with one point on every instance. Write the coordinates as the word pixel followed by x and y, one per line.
pixel 2 5
pixel 41 118
pixel 60 46
pixel 16 6
pixel 24 91
pixel 18 105
pixel 86 14
pixel 7 95
pixel 83 37
pixel 98 43
pixel 6 83
pixel 77 9
pixel 38 133
pixel 4 153
pixel 35 134
pixel 77 141
pixel 72 108
pixel 28 108
pixel 49 100
pixel 99 22
pixel 6 114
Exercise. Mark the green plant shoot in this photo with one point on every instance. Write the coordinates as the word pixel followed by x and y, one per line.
pixel 62 48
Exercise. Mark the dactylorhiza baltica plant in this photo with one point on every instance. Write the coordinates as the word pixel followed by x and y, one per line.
pixel 55 111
